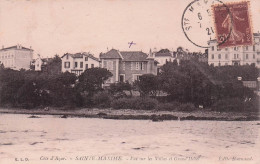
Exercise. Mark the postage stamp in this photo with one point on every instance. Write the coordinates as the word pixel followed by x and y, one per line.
pixel 197 22
pixel 233 24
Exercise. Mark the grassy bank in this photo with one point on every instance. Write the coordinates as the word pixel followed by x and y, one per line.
pixel 126 114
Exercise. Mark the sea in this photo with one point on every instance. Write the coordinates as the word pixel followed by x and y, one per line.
pixel 51 139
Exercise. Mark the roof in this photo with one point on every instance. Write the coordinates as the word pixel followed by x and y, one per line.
pixel 134 55
pixel 112 54
pixel 125 55
pixel 81 55
pixel 77 55
pixel 162 54
pixel 16 48
pixel 46 59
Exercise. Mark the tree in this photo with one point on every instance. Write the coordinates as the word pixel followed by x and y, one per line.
pixel 117 89
pixel 62 89
pixel 90 82
pixel 10 82
pixel 147 85
pixel 54 65
pixel 187 82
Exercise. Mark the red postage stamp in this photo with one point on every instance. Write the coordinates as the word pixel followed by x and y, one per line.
pixel 233 24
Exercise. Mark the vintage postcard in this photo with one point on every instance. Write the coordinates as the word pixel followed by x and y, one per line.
pixel 129 81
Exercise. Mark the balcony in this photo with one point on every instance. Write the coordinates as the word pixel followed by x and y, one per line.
pixel 236 59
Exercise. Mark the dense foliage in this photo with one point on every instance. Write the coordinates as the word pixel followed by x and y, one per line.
pixel 201 84
pixel 29 89
pixel 185 86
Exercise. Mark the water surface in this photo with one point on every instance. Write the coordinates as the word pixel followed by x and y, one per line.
pixel 165 142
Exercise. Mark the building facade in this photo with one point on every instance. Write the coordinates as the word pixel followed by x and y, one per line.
pixel 127 65
pixel 78 63
pixel 165 55
pixel 16 57
pixel 242 55
pixel 39 63
pixel 162 56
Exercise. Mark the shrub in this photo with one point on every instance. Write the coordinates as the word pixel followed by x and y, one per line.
pixel 102 99
pixel 122 103
pixel 252 105
pixel 186 107
pixel 147 104
pixel 236 105
pixel 135 103
pixel 228 105
pixel 172 106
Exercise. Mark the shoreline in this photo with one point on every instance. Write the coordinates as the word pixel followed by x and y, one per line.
pixel 128 114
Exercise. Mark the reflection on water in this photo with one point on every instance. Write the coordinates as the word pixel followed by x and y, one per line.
pixel 32 138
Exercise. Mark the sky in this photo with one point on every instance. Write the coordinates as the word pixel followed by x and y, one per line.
pixel 59 26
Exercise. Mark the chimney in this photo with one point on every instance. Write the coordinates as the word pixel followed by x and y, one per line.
pixel 151 53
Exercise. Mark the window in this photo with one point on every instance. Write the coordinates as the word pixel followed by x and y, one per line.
pixel 246 56
pixel 212 48
pixel 92 65
pixel 81 64
pixel 142 65
pixel 219 64
pixel 212 56
pixel 226 49
pixel 86 58
pixel 67 64
pixel 110 65
pixel 137 65
pixel 132 65
pixel 67 56
pixel 226 56
pixel 122 78
pixel 76 64
pixel 136 77
pixel 253 47
pixel 246 47
pixel 123 65
pixel 253 56
pixel 235 48
pixel 235 56
pixel 104 64
pixel 219 56
pixel 86 66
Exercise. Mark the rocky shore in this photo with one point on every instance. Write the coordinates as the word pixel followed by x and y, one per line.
pixel 137 114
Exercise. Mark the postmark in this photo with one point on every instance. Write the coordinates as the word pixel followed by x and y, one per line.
pixel 197 22
pixel 238 19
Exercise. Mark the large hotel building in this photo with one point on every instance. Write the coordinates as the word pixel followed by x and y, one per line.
pixel 241 55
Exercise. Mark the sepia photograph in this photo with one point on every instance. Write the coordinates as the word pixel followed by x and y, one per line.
pixel 129 81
